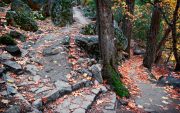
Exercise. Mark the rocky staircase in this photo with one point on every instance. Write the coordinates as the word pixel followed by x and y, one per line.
pixel 53 77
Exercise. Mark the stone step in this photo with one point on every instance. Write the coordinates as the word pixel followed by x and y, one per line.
pixel 62 88
pixel 106 103
pixel 78 101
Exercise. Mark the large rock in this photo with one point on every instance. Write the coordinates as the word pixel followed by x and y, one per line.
pixel 13 50
pixel 61 12
pixel 138 51
pixel 18 35
pixel 96 71
pixel 51 51
pixel 89 44
pixel 121 40
pixel 20 8
pixel 21 15
pixel 25 22
pixel 169 80
pixel 6 56
pixel 13 66
pixel 7 40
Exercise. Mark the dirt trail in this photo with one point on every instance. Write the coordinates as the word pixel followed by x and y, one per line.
pixel 79 17
pixel 152 98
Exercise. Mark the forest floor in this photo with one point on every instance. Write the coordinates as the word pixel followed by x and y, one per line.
pixel 51 81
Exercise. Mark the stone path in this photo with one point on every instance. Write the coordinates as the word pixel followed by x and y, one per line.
pixel 50 82
pixel 46 75
pixel 153 99
pixel 106 103
pixel 78 96
pixel 54 60
pixel 79 17
pixel 77 102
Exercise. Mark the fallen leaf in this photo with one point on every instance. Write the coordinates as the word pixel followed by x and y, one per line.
pixel 140 106
pixel 5 101
pixel 165 102
pixel 132 105
pixel 165 98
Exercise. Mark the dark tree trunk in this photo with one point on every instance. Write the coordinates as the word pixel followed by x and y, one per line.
pixel 47 8
pixel 161 45
pixel 174 36
pixel 152 37
pixel 106 37
pixel 127 24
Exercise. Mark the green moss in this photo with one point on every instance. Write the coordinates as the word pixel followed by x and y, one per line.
pixel 7 40
pixel 17 35
pixel 118 86
pixel 39 15
pixel 25 22
pixel 61 12
pixel 89 29
pixel 122 42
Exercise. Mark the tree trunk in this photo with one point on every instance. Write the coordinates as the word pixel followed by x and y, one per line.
pixel 174 36
pixel 127 24
pixel 152 37
pixel 161 45
pixel 106 37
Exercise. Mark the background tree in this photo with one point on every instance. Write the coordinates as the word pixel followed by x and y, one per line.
pixel 127 23
pixel 169 9
pixel 175 37
pixel 152 37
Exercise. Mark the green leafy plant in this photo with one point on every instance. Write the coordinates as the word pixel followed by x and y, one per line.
pixel 89 29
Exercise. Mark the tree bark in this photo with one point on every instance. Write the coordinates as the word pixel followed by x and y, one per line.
pixel 106 37
pixel 152 37
pixel 127 24
pixel 174 36
pixel 161 45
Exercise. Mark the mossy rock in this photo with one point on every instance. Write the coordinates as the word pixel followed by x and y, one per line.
pixel 38 15
pixel 61 12
pixel 18 36
pixel 6 1
pixel 122 41
pixel 21 15
pixel 89 13
pixel 7 40
pixel 35 4
pixel 25 22
pixel 116 83
pixel 10 17
pixel 21 8
pixel 89 29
